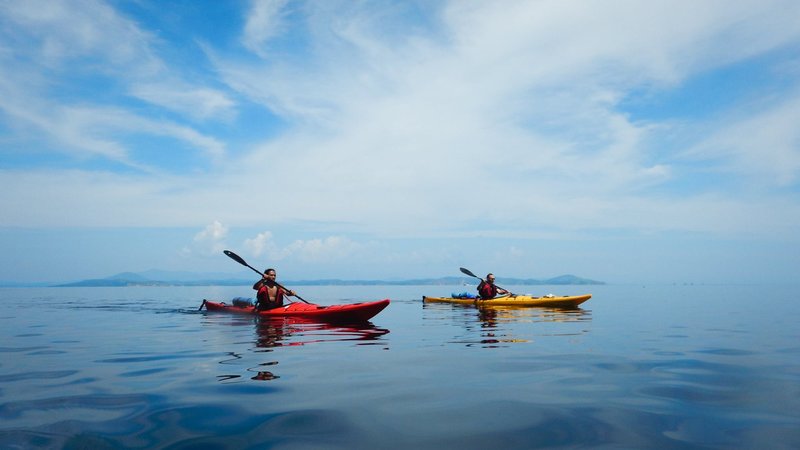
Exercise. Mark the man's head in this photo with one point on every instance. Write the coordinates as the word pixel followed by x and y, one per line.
pixel 490 278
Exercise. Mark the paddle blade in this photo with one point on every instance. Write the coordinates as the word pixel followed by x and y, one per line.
pixel 467 272
pixel 236 257
pixel 241 261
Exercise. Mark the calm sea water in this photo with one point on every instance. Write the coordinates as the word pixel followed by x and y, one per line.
pixel 635 367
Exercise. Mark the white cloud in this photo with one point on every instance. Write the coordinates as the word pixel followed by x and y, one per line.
pixel 210 241
pixel 51 52
pixel 331 248
pixel 264 21
pixel 197 102
pixel 261 244
pixel 57 33
pixel 515 109
pixel 98 131
pixel 491 117
pixel 764 145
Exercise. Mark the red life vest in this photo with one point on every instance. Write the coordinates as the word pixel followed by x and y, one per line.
pixel 264 301
pixel 486 290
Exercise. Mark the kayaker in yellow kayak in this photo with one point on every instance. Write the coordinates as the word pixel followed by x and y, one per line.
pixel 270 293
pixel 487 288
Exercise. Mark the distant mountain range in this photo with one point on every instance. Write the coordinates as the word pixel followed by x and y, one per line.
pixel 163 278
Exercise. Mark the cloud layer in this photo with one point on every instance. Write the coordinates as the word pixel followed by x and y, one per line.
pixel 435 120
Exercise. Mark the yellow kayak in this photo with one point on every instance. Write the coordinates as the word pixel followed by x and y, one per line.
pixel 516 300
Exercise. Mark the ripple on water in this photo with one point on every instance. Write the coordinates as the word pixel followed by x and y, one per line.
pixel 39 375
pixel 141 373
pixel 48 352
pixel 50 413
pixel 727 352
pixel 21 349
pixel 219 426
pixel 691 394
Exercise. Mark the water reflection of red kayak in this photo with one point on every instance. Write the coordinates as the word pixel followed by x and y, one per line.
pixel 272 332
pixel 281 331
pixel 353 312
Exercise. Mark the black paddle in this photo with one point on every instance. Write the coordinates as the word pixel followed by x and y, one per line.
pixel 467 272
pixel 241 261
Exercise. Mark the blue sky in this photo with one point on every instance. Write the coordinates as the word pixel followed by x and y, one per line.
pixel 624 141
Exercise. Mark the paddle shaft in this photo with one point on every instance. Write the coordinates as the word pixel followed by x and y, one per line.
pixel 241 261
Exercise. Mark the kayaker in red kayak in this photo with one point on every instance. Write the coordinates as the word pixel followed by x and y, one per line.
pixel 270 294
pixel 487 289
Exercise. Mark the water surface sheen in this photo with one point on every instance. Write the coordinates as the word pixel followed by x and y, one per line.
pixel 635 367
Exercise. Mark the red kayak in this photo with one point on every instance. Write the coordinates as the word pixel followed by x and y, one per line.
pixel 353 312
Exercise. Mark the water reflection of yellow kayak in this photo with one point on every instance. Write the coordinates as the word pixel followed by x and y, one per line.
pixel 516 300
pixel 494 314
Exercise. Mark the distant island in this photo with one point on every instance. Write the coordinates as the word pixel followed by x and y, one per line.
pixel 135 279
